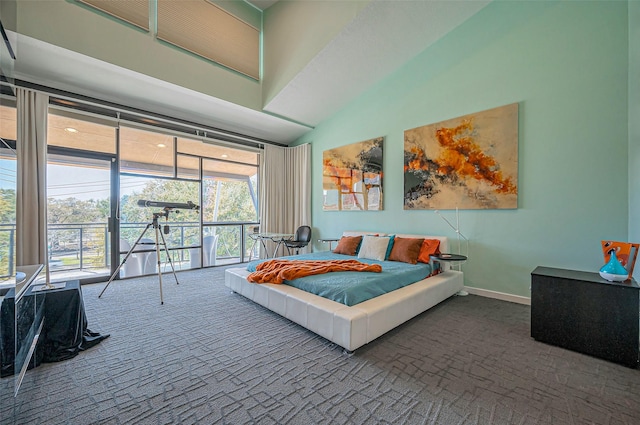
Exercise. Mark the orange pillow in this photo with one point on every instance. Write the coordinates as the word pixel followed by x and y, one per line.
pixel 348 245
pixel 429 247
pixel 406 250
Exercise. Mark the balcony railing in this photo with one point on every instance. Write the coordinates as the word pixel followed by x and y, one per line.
pixel 86 246
pixel 7 251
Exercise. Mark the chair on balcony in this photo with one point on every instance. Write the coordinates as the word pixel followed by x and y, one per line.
pixel 134 265
pixel 302 239
pixel 209 248
pixel 149 259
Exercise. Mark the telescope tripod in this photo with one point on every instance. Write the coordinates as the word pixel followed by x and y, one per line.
pixel 159 235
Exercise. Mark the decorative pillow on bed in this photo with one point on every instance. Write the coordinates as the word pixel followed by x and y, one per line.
pixel 389 247
pixel 374 247
pixel 348 245
pixel 429 247
pixel 406 250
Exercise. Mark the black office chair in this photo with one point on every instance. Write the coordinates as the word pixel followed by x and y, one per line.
pixel 302 239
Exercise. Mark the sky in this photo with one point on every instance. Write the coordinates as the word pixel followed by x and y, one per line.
pixel 7 174
pixel 66 181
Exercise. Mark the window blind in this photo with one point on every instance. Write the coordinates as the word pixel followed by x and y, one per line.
pixel 135 12
pixel 209 31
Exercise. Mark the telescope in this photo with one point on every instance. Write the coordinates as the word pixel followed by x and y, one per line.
pixel 168 205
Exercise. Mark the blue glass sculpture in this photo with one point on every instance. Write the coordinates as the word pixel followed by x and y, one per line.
pixel 613 270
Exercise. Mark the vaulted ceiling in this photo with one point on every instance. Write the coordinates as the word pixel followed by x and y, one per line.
pixel 378 41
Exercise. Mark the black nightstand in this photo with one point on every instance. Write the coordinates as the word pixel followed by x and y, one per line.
pixel 449 257
pixel 329 241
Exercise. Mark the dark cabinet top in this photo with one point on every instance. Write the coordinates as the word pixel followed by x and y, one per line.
pixel 593 277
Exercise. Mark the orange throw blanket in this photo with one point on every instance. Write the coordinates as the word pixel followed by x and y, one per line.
pixel 276 271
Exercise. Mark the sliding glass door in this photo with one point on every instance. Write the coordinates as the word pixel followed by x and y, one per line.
pixel 7 211
pixel 99 170
pixel 82 183
pixel 79 207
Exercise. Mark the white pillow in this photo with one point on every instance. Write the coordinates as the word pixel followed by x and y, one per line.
pixel 374 247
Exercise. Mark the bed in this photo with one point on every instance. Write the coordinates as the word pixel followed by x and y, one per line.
pixel 352 326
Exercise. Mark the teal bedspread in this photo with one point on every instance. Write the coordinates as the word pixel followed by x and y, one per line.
pixel 351 288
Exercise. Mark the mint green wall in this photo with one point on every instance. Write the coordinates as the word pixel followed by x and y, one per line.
pixel 634 126
pixel 79 29
pixel 566 64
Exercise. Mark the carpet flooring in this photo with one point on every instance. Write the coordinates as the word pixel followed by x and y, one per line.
pixel 209 356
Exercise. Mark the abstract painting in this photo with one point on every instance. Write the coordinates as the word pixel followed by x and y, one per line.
pixel 470 162
pixel 352 177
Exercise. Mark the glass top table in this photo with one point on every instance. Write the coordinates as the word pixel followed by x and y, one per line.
pixel 264 237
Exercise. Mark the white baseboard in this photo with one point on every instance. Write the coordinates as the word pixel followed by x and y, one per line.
pixel 498 295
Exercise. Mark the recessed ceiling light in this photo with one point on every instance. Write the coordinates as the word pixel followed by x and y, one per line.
pixel 224 155
pixel 161 145
pixel 70 130
pixel 66 102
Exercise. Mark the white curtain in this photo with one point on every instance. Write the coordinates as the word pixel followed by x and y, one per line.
pixel 31 201
pixel 285 189
pixel 272 191
pixel 298 186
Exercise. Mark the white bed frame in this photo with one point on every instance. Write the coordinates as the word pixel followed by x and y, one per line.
pixel 355 326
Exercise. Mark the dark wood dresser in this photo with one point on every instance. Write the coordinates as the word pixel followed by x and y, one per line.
pixel 583 312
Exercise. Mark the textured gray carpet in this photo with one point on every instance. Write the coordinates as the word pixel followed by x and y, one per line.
pixel 209 356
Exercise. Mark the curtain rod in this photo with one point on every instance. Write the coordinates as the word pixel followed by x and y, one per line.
pixel 200 130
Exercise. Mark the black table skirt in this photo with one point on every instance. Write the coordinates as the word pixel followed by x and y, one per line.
pixel 64 333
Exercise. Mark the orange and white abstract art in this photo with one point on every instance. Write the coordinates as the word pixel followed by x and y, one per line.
pixel 470 162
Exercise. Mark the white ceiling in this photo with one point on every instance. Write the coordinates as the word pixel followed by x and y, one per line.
pixel 383 37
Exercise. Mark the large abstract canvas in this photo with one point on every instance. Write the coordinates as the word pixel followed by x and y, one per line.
pixel 470 162
pixel 352 177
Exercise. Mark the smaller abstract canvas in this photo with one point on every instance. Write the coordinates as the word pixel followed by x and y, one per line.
pixel 470 162
pixel 352 177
